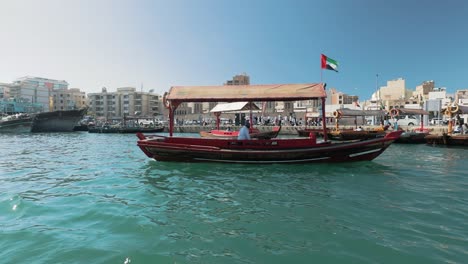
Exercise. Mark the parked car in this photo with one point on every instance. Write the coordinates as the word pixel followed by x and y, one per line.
pixel 407 120
pixel 437 121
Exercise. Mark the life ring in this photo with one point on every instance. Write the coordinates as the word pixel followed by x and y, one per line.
pixel 454 109
pixel 394 112
pixel 165 102
pixel 447 111
pixel 337 114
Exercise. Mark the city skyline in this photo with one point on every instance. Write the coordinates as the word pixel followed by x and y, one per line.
pixel 156 45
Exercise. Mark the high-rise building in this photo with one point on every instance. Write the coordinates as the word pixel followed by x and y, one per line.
pixel 36 90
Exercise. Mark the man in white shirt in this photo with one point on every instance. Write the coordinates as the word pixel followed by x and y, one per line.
pixel 244 131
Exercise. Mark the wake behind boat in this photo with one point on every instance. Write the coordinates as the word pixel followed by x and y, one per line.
pixel 259 151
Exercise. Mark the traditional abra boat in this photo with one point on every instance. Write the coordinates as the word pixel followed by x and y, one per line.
pixel 450 138
pixel 229 133
pixel 417 135
pixel 356 133
pixel 260 151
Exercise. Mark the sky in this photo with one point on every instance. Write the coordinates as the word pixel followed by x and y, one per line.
pixel 157 44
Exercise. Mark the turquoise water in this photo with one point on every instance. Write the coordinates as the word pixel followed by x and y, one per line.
pixel 96 198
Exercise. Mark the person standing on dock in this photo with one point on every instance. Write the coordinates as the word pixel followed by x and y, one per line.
pixel 244 131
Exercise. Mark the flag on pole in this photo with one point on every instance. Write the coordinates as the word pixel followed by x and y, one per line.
pixel 329 63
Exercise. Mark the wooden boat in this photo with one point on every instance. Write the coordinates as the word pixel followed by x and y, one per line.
pixel 18 123
pixel 357 133
pixel 413 137
pixel 254 133
pixel 417 135
pixel 448 140
pixel 262 151
pixel 128 130
pixel 124 130
pixel 259 151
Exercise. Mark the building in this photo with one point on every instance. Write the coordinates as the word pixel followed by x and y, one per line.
pixel 126 101
pixel 4 91
pixel 36 90
pixel 68 99
pixel 240 79
pixel 422 90
pixel 461 97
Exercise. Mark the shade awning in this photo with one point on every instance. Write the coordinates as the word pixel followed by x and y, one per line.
pixel 241 93
pixel 353 112
pixel 237 106
pixel 409 111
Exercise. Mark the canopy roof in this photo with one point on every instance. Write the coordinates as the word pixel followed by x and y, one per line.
pixel 237 106
pixel 409 111
pixel 352 112
pixel 241 93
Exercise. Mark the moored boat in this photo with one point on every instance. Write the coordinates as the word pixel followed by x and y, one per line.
pixel 413 136
pixel 451 138
pixel 259 151
pixel 57 121
pixel 447 140
pixel 18 123
pixel 254 133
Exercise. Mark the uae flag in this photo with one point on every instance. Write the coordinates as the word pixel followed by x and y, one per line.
pixel 329 63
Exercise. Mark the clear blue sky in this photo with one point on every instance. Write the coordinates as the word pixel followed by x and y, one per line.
pixel 119 43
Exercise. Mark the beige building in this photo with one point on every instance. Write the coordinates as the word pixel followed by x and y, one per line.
pixel 126 101
pixel 395 94
pixel 67 99
pixel 423 90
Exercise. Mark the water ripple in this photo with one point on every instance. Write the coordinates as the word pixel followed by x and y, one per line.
pixel 76 197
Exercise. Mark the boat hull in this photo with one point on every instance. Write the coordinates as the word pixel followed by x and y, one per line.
pixel 449 140
pixel 16 126
pixel 262 151
pixel 412 138
pixel 353 135
pixel 57 121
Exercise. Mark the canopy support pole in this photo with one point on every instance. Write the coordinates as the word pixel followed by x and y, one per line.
pixel 324 118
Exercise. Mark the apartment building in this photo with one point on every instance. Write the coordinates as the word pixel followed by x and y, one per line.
pixel 126 101
pixel 68 99
pixel 36 90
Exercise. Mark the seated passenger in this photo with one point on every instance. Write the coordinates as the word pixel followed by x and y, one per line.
pixel 244 132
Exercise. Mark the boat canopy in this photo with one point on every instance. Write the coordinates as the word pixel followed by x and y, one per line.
pixel 237 106
pixel 409 111
pixel 353 112
pixel 241 93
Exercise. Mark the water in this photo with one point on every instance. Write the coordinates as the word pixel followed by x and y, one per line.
pixel 96 198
